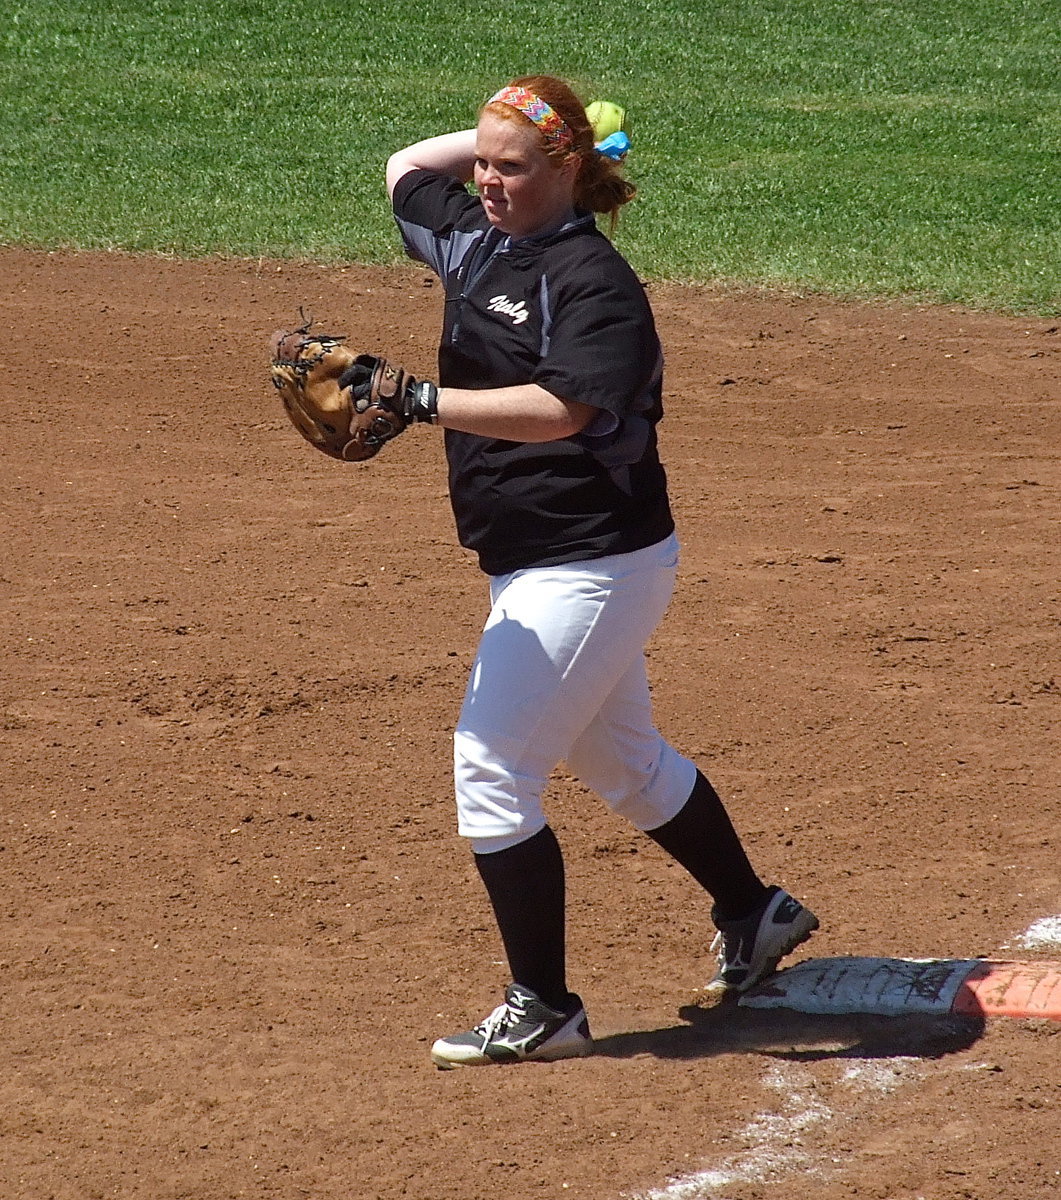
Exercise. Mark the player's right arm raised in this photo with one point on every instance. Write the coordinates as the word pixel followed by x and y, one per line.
pixel 449 154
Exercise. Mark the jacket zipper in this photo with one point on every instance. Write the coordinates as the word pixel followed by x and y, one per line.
pixel 469 274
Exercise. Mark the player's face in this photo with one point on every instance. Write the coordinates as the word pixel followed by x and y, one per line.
pixel 521 189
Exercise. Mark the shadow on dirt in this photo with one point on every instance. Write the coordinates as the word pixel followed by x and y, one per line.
pixel 798 1037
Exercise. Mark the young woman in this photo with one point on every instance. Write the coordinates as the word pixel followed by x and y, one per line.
pixel 550 379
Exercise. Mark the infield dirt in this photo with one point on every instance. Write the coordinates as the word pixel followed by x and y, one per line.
pixel 235 909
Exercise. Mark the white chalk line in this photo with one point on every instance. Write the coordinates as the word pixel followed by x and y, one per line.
pixel 775 1140
pixel 1044 934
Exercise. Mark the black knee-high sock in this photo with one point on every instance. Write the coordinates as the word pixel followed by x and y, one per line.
pixel 702 838
pixel 526 888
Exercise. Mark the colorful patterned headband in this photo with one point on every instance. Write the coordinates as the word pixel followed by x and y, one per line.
pixel 550 124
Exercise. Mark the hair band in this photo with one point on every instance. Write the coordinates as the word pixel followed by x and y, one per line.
pixel 550 124
pixel 615 146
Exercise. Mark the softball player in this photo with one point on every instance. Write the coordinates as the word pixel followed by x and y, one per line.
pixel 550 375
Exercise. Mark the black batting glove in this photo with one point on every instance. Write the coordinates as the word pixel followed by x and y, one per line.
pixel 374 380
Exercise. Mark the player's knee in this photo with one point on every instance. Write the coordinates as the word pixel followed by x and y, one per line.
pixel 496 807
pixel 493 845
pixel 655 797
pixel 493 821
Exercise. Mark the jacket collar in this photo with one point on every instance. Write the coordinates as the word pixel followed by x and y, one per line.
pixel 581 222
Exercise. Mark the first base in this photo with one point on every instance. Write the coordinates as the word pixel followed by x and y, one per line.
pixel 894 986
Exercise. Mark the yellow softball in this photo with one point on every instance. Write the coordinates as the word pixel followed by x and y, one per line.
pixel 606 119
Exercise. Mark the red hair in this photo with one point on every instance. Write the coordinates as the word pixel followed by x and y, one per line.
pixel 599 184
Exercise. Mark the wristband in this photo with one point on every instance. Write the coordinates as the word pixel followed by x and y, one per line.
pixel 423 402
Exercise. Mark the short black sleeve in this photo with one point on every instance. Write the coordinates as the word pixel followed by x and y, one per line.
pixel 437 218
pixel 603 348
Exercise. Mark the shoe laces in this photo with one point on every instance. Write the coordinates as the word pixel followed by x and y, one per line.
pixel 718 947
pixel 502 1018
pixel 729 948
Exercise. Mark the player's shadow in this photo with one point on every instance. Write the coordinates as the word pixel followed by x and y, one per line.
pixel 783 1033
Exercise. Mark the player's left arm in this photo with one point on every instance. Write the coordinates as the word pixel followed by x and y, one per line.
pixel 521 413
pixel 524 413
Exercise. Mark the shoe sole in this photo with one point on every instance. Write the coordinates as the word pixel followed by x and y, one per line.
pixel 798 937
pixel 450 1064
pixel 481 1060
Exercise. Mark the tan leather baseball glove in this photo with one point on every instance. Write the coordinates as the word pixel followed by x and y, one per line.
pixel 340 418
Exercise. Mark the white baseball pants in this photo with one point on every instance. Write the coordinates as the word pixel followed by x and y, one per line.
pixel 560 676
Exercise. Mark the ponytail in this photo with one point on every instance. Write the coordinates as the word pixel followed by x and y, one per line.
pixel 601 187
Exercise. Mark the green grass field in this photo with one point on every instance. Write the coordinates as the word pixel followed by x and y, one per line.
pixel 889 149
